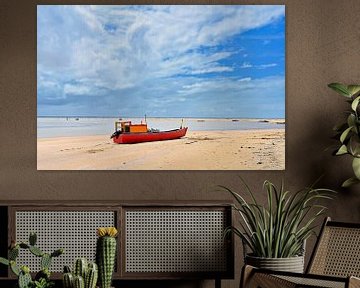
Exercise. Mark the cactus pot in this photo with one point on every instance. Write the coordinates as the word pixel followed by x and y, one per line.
pixel 291 264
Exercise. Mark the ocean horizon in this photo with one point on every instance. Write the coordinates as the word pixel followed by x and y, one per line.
pixel 63 126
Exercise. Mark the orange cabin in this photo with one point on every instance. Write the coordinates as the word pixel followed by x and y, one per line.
pixel 126 126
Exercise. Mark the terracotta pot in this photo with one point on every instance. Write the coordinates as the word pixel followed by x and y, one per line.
pixel 291 264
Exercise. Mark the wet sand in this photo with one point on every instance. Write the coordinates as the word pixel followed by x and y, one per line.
pixel 198 150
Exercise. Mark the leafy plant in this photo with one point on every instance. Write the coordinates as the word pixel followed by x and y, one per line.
pixel 43 283
pixel 349 132
pixel 279 229
pixel 42 278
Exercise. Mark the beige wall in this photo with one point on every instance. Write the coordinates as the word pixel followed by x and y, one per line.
pixel 323 46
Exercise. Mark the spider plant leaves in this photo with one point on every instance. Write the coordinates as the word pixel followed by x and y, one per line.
pixel 279 228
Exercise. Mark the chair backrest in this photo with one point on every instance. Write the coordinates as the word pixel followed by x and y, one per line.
pixel 337 251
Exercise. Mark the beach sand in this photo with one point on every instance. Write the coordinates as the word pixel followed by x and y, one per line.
pixel 198 150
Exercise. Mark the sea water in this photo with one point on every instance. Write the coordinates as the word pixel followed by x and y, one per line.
pixel 83 126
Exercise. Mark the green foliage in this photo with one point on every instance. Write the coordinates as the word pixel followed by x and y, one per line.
pixel 42 283
pixel 348 132
pixel 4 261
pixel 24 280
pixel 42 278
pixel 280 229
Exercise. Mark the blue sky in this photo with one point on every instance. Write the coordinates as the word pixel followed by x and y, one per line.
pixel 163 61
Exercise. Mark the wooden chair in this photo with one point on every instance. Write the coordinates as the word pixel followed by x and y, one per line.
pixel 334 263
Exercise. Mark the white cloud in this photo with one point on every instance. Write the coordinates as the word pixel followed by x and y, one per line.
pixel 246 65
pixel 212 70
pixel 76 89
pixel 146 42
pixel 264 66
pixel 85 50
pixel 246 79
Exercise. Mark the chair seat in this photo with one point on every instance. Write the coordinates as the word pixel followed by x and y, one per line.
pixel 315 282
pixel 268 279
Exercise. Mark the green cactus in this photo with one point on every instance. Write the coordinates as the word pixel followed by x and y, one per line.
pixel 79 282
pixel 14 268
pixel 13 253
pixel 57 252
pixel 36 251
pixel 67 269
pixel 45 261
pixel 42 278
pixel 44 273
pixel 80 268
pixel 24 280
pixel 32 238
pixel 24 245
pixel 105 255
pixel 68 280
pixel 87 272
pixel 91 276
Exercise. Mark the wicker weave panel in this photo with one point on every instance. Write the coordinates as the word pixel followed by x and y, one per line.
pixel 338 253
pixel 75 231
pixel 175 241
pixel 312 282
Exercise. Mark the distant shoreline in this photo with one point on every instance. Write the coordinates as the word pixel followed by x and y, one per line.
pixel 57 127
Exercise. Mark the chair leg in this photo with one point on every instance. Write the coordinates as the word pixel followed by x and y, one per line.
pixel 217 283
pixel 246 274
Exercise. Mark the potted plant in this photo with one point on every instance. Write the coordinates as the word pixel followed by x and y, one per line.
pixel 348 132
pixel 276 233
pixel 42 278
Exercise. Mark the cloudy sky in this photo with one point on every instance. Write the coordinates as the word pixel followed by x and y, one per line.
pixel 163 61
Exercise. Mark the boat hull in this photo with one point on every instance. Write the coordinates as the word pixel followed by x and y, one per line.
pixel 131 138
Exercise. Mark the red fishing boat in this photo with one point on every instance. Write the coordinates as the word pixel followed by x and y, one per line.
pixel 128 133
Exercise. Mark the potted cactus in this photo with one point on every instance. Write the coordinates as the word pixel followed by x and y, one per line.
pixel 42 278
pixel 85 275
pixel 106 254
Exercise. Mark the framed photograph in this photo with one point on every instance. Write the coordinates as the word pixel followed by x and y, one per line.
pixel 161 87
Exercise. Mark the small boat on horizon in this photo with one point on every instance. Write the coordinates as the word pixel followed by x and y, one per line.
pixel 128 133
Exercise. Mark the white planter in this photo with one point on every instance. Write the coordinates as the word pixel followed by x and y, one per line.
pixel 291 264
